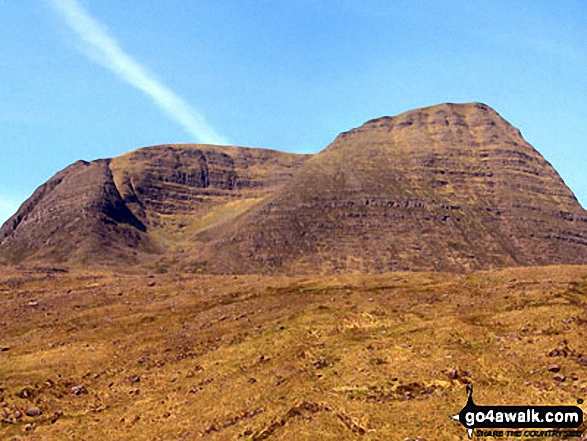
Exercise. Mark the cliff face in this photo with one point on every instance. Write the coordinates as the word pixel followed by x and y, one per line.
pixel 452 187
pixel 182 179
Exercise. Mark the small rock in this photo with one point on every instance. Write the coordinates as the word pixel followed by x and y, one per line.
pixel 58 414
pixel 33 412
pixel 321 363
pixel 559 377
pixel 151 284
pixel 582 361
pixel 252 380
pixel 29 427
pixel 557 353
pixel 554 367
pixel 4 348
pixel 453 374
pixel 79 390
pixel 18 414
pixel 33 303
pixel 27 392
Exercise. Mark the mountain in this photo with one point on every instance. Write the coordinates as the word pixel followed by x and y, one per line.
pixel 452 187
pixel 137 207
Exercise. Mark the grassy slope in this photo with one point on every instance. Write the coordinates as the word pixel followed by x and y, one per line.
pixel 283 358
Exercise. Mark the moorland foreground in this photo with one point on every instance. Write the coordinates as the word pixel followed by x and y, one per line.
pixel 110 356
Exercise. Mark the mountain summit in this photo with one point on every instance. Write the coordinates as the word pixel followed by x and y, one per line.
pixel 452 187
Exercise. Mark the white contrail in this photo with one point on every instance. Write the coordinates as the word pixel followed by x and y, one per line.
pixel 105 50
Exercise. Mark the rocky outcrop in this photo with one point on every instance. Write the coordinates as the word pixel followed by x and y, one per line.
pixel 167 180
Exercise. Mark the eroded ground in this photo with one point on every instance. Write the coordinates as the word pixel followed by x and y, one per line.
pixel 168 356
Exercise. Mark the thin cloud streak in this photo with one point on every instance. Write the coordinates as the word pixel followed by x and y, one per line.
pixel 103 49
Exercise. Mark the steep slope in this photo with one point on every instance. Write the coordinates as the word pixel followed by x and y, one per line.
pixel 142 205
pixel 77 216
pixel 451 187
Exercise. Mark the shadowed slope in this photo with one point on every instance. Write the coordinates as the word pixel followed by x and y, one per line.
pixel 77 216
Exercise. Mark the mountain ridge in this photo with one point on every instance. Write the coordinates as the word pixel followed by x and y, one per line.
pixel 450 187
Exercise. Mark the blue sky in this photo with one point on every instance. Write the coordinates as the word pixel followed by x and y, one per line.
pixel 83 79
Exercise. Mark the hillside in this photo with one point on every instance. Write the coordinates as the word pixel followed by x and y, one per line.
pixel 448 188
pixel 206 292
pixel 452 187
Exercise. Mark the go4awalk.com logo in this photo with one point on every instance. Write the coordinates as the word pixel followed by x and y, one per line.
pixel 519 421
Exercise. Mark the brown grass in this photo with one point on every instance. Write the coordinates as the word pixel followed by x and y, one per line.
pixel 353 357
